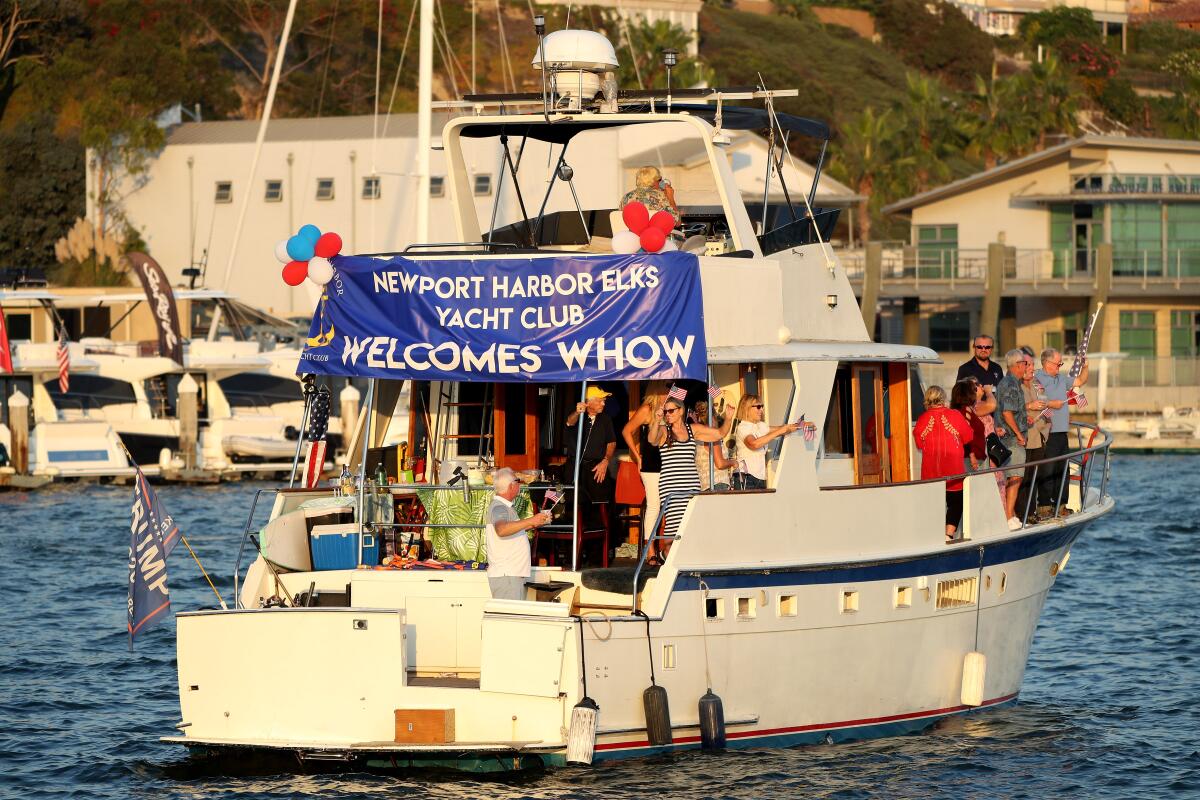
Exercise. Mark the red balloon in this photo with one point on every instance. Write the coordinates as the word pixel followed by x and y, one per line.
pixel 662 220
pixel 294 272
pixel 636 217
pixel 653 239
pixel 328 246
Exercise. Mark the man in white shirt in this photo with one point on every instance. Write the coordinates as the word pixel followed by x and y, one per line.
pixel 1057 386
pixel 507 544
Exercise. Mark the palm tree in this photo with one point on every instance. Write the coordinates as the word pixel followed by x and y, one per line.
pixel 864 157
pixel 1000 125
pixel 928 129
pixel 1051 98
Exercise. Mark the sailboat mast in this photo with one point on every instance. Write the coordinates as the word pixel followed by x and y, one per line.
pixel 424 119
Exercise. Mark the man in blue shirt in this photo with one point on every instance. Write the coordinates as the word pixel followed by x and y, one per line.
pixel 1056 386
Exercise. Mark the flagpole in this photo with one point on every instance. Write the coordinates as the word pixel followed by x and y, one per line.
pixel 182 538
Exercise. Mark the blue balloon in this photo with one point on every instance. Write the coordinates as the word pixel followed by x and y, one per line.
pixel 300 248
pixel 309 232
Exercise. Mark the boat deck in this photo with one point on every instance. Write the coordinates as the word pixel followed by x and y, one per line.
pixel 442 681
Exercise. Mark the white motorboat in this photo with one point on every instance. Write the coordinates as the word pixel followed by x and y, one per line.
pixel 825 608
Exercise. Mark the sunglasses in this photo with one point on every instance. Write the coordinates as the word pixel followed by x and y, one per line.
pixel 670 409
pixel 983 347
pixel 760 405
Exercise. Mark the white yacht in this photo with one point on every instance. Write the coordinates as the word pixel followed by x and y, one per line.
pixel 825 608
pixel 65 441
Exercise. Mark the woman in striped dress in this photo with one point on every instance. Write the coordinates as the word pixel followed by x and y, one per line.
pixel 676 439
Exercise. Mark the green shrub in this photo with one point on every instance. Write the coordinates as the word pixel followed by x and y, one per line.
pixel 1057 24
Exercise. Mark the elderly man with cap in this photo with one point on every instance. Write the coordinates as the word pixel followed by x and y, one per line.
pixel 507 543
pixel 598 445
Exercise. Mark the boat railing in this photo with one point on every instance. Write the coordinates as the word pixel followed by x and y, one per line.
pixel 1086 457
pixel 237 567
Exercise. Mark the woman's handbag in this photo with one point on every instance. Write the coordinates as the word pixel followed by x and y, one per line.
pixel 630 491
pixel 997 452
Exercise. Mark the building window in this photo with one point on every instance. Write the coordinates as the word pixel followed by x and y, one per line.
pixel 325 188
pixel 274 192
pixel 224 192
pixel 371 187
pixel 937 250
pixel 1137 238
pixel 20 327
pixel 1137 333
pixel 950 330
pixel 1185 333
pixel 437 186
pixel 1183 239
pixel 483 185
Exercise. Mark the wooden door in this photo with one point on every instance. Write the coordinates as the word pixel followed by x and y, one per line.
pixel 870 445
pixel 516 425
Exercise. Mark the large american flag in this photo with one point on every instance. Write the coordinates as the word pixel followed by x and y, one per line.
pixel 1075 396
pixel 64 362
pixel 318 427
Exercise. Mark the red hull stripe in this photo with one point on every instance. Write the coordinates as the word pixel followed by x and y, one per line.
pixel 816 726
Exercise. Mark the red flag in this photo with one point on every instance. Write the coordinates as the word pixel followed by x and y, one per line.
pixel 5 356
pixel 64 362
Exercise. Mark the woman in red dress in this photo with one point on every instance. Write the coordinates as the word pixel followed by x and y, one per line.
pixel 941 434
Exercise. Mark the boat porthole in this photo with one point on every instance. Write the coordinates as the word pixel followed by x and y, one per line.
pixel 1053 569
pixel 1003 582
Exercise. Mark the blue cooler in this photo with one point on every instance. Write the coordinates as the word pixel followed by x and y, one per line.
pixel 336 547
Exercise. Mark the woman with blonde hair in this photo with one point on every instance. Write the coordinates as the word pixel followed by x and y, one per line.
pixel 942 436
pixel 653 192
pixel 751 435
pixel 644 454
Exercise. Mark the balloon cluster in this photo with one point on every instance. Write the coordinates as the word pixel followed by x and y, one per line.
pixel 307 254
pixel 648 233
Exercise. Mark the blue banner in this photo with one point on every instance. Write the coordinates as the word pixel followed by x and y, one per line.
pixel 546 319
pixel 152 537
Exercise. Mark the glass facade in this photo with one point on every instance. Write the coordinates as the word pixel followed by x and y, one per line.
pixel 1185 333
pixel 1183 239
pixel 950 331
pixel 1137 238
pixel 1139 343
pixel 937 250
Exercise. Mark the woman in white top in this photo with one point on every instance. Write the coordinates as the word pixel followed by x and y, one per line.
pixel 751 435
pixel 718 477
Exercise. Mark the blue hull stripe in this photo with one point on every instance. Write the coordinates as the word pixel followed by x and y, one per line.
pixel 1033 544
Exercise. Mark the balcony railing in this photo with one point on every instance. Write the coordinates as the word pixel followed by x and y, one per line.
pixel 904 263
pixel 1137 183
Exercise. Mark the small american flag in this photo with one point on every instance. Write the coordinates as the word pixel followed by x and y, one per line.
pixel 550 499
pixel 318 427
pixel 713 393
pixel 809 428
pixel 678 394
pixel 64 362
pixel 1077 398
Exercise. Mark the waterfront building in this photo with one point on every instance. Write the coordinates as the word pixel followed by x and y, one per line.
pixel 1003 17
pixel 1029 249
pixel 355 176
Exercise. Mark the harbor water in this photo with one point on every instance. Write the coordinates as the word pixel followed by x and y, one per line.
pixel 1108 707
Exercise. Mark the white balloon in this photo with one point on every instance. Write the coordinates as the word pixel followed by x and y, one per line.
pixel 626 242
pixel 320 271
pixel 281 252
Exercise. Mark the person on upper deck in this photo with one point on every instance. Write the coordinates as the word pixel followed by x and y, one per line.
pixel 653 192
pixel 943 435
pixel 982 368
pixel 509 563
pixel 751 435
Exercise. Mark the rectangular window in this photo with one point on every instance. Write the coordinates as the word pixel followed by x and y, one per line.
pixel 20 326
pixel 224 193
pixel 1137 333
pixel 1183 239
pixel 1137 238
pixel 747 608
pixel 903 597
pixel 371 187
pixel 950 331
pixel 787 605
pixel 937 250
pixel 714 608
pixel 838 428
pixel 1185 333
pixel 274 192
pixel 324 188
pixel 437 186
pixel 1061 237
pixel 849 601
pixel 483 185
